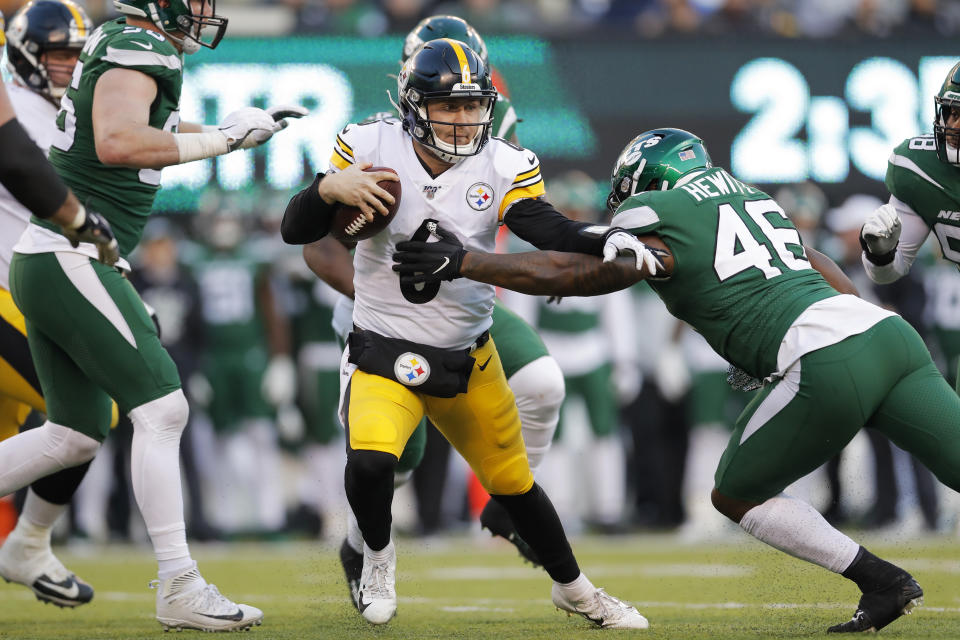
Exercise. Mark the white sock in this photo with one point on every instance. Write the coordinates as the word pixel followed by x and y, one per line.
pixel 387 553
pixel 354 536
pixel 795 527
pixel 579 589
pixel 167 569
pixel 40 513
pixel 155 473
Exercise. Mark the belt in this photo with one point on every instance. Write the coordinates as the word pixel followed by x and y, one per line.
pixel 481 340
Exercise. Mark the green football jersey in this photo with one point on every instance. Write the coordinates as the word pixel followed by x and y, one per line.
pixel 124 195
pixel 741 276
pixel 931 187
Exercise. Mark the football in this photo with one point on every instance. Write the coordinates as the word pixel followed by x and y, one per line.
pixel 350 225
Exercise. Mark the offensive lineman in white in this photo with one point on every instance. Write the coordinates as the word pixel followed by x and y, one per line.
pixel 427 350
pixel 45 41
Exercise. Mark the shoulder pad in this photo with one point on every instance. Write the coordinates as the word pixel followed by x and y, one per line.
pixel 356 140
pixel 141 49
pixel 637 214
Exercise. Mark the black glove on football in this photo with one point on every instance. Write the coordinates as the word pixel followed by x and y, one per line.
pixel 419 261
pixel 95 229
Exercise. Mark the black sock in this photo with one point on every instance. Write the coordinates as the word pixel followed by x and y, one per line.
pixel 870 572
pixel 59 487
pixel 538 524
pixel 368 480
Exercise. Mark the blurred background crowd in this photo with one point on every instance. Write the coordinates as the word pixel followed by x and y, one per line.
pixel 647 414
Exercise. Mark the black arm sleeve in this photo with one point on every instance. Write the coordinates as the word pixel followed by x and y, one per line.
pixel 537 222
pixel 308 216
pixel 26 174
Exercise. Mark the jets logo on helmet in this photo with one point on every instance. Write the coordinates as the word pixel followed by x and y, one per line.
pixel 947 110
pixel 446 70
pixel 654 160
pixel 38 28
pixel 450 27
pixel 177 19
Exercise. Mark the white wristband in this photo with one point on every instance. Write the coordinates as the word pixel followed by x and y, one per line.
pixel 79 218
pixel 197 146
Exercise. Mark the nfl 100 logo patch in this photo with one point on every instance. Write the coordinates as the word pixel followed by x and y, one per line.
pixel 411 369
pixel 480 196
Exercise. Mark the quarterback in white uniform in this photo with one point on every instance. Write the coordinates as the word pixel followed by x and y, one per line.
pixel 45 38
pixel 426 350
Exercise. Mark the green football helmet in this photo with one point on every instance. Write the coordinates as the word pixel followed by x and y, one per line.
pixel 178 20
pixel 444 27
pixel 946 102
pixel 655 160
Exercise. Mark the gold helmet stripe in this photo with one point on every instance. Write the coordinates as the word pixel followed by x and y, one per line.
pixel 75 12
pixel 3 28
pixel 462 59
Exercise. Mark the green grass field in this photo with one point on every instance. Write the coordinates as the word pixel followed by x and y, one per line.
pixel 466 587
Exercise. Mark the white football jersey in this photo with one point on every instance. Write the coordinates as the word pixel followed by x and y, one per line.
pixel 468 199
pixel 38 118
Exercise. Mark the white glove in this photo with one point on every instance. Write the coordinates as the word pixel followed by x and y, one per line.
pixel 281 112
pixel 627 380
pixel 622 242
pixel 248 127
pixel 881 230
pixel 290 424
pixel 672 373
pixel 279 385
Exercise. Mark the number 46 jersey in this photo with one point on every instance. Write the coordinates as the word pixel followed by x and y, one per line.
pixel 741 276
pixel 468 199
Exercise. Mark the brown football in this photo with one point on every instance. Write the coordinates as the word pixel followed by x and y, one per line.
pixel 350 225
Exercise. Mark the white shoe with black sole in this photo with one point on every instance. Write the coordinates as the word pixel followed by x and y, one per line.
pixel 188 602
pixel 30 562
pixel 377 596
pixel 602 609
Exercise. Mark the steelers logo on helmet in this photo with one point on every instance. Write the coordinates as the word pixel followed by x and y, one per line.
pixel 480 196
pixel 446 99
pixel 411 369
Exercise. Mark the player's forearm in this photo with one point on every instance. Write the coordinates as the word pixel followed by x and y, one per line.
pixel 550 273
pixel 136 146
pixel 27 175
pixel 308 216
pixel 832 273
pixel 332 263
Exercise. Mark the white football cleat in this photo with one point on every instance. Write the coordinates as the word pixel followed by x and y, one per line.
pixel 377 596
pixel 30 561
pixel 602 609
pixel 188 602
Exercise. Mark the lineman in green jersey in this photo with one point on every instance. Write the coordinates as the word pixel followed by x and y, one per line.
pixel 724 257
pixel 533 375
pixel 90 336
pixel 923 177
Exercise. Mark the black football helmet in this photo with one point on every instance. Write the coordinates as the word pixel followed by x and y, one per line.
pixel 442 70
pixel 37 28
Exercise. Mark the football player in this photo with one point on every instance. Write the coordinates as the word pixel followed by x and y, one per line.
pixel 90 335
pixel 724 257
pixel 418 351
pixel 923 177
pixel 533 375
pixel 45 41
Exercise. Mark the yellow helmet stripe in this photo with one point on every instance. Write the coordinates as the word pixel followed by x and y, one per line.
pixel 3 28
pixel 462 59
pixel 81 25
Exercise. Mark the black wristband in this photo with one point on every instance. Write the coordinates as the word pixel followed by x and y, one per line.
pixel 27 175
pixel 881 260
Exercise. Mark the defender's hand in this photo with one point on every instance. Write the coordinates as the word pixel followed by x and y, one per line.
pixel 90 226
pixel 619 242
pixel 881 232
pixel 281 112
pixel 248 127
pixel 358 188
pixel 421 261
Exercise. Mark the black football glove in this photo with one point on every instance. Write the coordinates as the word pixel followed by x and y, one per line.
pixel 94 228
pixel 419 261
